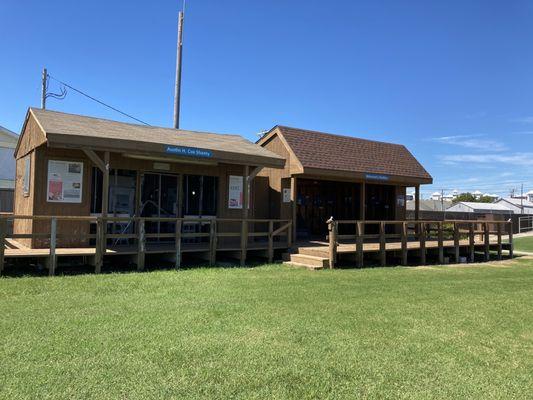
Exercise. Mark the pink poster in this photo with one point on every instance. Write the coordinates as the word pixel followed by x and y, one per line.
pixel 55 190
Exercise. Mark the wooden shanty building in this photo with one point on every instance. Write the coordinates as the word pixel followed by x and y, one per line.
pixel 95 188
pixel 343 177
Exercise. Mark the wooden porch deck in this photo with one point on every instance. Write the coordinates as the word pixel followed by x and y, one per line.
pixel 209 238
pixel 16 250
pixel 347 248
pixel 404 242
pixel 409 241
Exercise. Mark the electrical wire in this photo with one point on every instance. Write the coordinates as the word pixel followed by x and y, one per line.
pixel 98 101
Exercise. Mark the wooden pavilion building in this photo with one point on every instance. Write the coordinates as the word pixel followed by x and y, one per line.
pixel 93 188
pixel 337 176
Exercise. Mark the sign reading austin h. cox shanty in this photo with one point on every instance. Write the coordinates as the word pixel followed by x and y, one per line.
pixel 188 151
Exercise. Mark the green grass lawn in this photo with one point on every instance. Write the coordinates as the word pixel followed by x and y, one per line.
pixel 524 243
pixel 271 332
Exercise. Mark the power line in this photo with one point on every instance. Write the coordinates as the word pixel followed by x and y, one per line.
pixel 98 101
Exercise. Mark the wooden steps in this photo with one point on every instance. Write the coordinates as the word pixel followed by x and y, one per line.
pixel 310 258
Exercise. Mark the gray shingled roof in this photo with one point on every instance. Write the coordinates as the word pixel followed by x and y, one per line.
pixel 9 135
pixel 63 128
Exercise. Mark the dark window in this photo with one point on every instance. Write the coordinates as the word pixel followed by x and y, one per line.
pixel 209 195
pixel 200 195
pixel 122 184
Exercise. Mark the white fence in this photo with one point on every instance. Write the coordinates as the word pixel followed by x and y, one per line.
pixel 525 224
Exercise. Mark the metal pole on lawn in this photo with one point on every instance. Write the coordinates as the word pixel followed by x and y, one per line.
pixel 177 88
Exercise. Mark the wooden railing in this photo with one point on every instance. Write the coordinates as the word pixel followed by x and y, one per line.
pixel 273 228
pixel 525 224
pixel 420 232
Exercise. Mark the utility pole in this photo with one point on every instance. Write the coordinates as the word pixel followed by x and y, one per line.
pixel 43 89
pixel 177 89
pixel 522 198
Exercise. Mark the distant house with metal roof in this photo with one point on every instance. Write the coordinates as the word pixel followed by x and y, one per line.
pixel 430 205
pixel 518 206
pixel 8 142
pixel 480 208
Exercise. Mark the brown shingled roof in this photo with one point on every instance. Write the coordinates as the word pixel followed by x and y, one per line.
pixel 345 153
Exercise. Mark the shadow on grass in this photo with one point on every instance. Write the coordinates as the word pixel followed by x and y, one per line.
pixel 28 267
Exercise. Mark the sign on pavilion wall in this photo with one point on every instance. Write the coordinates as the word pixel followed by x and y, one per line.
pixel 65 181
pixel 235 192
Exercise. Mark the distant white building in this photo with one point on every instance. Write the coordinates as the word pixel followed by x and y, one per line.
pixel 430 205
pixel 8 142
pixel 480 208
pixel 436 196
pixel 518 206
pixel 448 197
pixel 491 196
pixel 529 196
pixel 477 194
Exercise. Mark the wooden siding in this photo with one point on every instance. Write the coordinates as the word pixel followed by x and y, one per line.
pixel 277 180
pixel 24 204
pixel 32 137
pixel 37 204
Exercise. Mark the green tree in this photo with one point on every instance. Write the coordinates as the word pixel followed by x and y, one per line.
pixel 471 198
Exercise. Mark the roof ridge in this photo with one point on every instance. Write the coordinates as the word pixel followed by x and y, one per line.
pixel 8 132
pixel 40 110
pixel 339 135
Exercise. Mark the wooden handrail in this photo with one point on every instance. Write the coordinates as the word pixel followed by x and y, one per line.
pixel 424 230
pixel 140 235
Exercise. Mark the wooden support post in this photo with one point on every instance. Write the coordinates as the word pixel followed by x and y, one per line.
pixel 362 202
pixel 332 236
pixel 95 159
pixel 3 234
pixel 105 202
pixel 99 255
pixel 457 249
pixel 141 245
pixel 212 242
pixel 271 241
pixel 244 241
pixel 178 244
pixel 499 229
pixel 422 239
pixel 180 196
pixel 511 244
pixel 486 241
pixel 382 245
pixel 417 202
pixel 52 258
pixel 359 243
pixel 289 234
pixel 472 240
pixel 404 243
pixel 294 197
pixel 440 238
pixel 244 223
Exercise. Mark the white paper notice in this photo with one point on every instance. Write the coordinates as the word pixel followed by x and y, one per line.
pixel 65 181
pixel 287 195
pixel 235 192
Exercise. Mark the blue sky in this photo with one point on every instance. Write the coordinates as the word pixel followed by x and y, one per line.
pixel 451 80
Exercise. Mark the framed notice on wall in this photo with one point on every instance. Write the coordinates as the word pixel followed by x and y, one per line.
pixel 65 181
pixel 400 200
pixel 235 192
pixel 286 195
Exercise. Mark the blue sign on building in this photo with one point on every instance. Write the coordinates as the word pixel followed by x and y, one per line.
pixel 377 177
pixel 189 151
